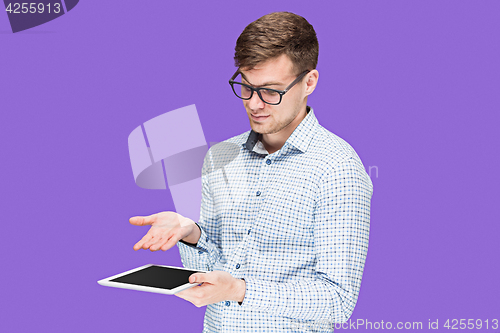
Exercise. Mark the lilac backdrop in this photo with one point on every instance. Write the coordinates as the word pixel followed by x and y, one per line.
pixel 413 86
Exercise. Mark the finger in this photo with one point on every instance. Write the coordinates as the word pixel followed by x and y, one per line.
pixel 189 292
pixel 158 243
pixel 185 294
pixel 143 220
pixel 140 244
pixel 199 278
pixel 152 242
pixel 189 295
pixel 161 241
pixel 170 243
pixel 158 238
pixel 173 237
pixel 137 220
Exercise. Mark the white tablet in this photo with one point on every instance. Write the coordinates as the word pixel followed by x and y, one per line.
pixel 153 278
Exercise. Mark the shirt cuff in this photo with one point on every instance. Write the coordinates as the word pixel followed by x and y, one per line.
pixel 260 295
pixel 202 244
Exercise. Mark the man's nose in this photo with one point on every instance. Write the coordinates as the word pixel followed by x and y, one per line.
pixel 255 102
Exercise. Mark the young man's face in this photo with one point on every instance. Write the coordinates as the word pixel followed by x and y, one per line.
pixel 271 119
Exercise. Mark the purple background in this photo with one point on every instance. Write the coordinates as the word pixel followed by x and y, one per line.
pixel 413 86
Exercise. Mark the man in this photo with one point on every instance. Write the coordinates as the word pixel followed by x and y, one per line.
pixel 285 207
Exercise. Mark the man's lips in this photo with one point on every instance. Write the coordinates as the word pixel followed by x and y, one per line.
pixel 259 117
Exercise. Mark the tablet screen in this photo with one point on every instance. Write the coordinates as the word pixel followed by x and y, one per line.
pixel 157 277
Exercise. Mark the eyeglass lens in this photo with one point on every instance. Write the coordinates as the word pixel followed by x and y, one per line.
pixel 268 95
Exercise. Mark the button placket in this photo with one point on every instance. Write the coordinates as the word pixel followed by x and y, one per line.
pixel 263 175
pixel 258 191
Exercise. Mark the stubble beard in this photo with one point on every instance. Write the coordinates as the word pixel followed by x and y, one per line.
pixel 274 129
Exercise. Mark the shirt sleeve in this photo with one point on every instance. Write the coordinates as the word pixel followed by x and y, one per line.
pixel 341 228
pixel 201 256
pixel 206 253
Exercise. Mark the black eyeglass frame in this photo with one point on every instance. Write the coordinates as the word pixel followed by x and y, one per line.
pixel 257 90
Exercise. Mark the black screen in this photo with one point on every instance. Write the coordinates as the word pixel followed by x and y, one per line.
pixel 157 277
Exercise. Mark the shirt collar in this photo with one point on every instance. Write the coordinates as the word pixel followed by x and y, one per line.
pixel 300 138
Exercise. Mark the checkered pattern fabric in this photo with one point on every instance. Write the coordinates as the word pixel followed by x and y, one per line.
pixel 293 224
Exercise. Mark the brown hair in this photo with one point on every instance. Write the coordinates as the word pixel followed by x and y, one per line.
pixel 275 34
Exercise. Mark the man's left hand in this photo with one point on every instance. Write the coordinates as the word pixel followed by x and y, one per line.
pixel 216 286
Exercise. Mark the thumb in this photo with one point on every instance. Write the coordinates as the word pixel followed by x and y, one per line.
pixel 143 220
pixel 198 278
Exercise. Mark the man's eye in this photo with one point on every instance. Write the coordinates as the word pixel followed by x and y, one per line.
pixel 270 92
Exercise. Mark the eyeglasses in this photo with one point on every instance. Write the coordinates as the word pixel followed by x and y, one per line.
pixel 267 95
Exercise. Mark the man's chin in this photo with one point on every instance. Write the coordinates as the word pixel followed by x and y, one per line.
pixel 257 128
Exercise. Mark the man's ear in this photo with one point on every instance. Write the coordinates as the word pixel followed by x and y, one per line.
pixel 311 80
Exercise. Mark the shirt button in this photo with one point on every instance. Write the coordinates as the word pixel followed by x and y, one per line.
pixel 258 193
pixel 268 162
pixel 238 266
pixel 207 239
pixel 228 303
pixel 249 231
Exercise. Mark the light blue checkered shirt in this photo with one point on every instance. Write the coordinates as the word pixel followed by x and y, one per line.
pixel 294 224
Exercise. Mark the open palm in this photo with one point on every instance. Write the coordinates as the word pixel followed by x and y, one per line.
pixel 167 228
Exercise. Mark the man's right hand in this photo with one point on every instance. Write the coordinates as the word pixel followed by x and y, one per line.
pixel 167 228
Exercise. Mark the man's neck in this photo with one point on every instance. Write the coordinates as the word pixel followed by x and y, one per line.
pixel 273 142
